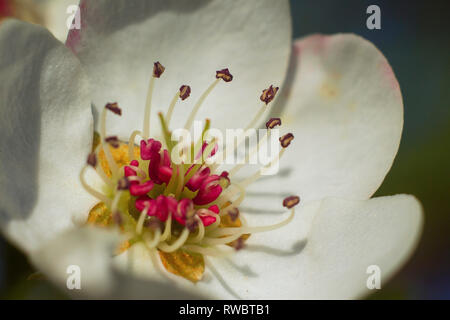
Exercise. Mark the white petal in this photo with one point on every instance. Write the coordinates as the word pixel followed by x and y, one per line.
pixel 88 252
pixel 344 107
pixel 56 15
pixel 45 135
pixel 118 42
pixel 325 252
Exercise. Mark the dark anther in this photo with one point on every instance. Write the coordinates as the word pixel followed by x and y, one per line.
pixel 114 107
pixel 158 69
pixel 123 184
pixel 92 160
pixel 113 141
pixel 273 122
pixel 224 74
pixel 286 140
pixel 291 202
pixel 185 92
pixel 269 94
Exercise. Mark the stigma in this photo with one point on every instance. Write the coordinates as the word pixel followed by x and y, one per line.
pixel 174 207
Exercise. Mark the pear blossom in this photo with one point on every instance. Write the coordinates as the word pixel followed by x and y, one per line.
pixel 313 228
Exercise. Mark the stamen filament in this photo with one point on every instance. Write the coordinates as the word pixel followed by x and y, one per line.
pixel 200 141
pixel 241 138
pixel 244 230
pixel 208 150
pixel 155 240
pixel 191 173
pixel 91 190
pixel 219 241
pixel 101 171
pixel 148 109
pixel 131 144
pixel 105 146
pixel 255 149
pixel 168 229
pixel 141 173
pixel 166 132
pixel 215 224
pixel 115 201
pixel 200 231
pixel 172 107
pixel 180 181
pixel 229 194
pixel 177 244
pixel 258 116
pixel 199 103
pixel 140 223
pixel 210 251
pixel 245 183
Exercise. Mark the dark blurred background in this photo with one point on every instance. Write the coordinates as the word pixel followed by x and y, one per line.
pixel 414 37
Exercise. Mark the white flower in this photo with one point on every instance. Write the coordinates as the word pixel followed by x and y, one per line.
pixel 340 98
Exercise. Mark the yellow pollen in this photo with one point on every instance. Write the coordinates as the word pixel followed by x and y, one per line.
pixel 190 266
pixel 120 156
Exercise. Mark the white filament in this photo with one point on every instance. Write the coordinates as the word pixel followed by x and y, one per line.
pixel 131 144
pixel 148 109
pixel 111 163
pixel 197 106
pixel 177 244
pixel 172 107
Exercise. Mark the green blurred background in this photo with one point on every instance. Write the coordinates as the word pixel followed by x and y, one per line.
pixel 414 36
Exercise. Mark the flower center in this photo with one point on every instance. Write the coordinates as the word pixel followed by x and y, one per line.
pixel 181 212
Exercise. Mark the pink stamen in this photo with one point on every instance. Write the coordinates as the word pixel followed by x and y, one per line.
pixel 165 206
pixel 145 201
pixel 214 208
pixel 165 171
pixel 153 168
pixel 207 220
pixel 130 172
pixel 195 182
pixel 204 146
pixel 206 217
pixel 184 206
pixel 149 148
pixel 165 174
pixel 209 191
pixel 141 189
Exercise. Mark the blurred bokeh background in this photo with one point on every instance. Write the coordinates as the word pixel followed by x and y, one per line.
pixel 414 37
